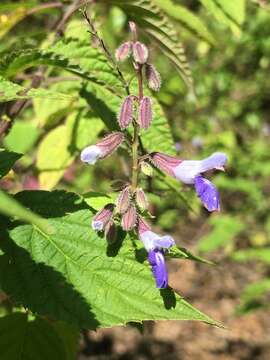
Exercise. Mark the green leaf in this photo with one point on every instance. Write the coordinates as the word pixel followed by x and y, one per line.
pixel 260 254
pixel 76 276
pixel 182 253
pixel 11 91
pixel 225 228
pixel 23 337
pixel 10 207
pixel 54 156
pixel 7 160
pixel 98 200
pixel 22 137
pixel 187 18
pixel 230 13
pixel 70 338
pixel 7 21
pixel 160 29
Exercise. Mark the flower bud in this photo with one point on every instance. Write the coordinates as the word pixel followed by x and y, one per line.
pixel 123 52
pixel 141 199
pixel 126 112
pixel 102 218
pixel 103 148
pixel 146 168
pixel 140 52
pixel 145 112
pixel 123 201
pixel 153 77
pixel 129 219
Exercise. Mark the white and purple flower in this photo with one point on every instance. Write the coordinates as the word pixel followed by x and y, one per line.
pixel 190 172
pixel 155 244
pixel 102 149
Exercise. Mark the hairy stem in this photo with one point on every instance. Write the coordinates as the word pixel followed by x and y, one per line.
pixel 135 142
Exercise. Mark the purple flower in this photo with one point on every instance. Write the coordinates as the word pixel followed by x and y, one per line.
pixel 190 172
pixel 155 244
pixel 102 149
pixel 157 261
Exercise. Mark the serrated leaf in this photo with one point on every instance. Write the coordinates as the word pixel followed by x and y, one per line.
pixel 10 91
pixel 74 275
pixel 7 160
pixel 230 13
pixel 160 29
pixel 98 200
pixel 22 337
pixel 10 207
pixel 187 18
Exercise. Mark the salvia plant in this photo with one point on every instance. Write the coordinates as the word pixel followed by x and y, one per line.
pixel 131 206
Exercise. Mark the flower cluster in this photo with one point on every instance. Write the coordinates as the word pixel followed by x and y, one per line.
pixel 132 202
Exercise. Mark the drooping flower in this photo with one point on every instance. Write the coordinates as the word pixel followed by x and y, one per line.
pixel 190 172
pixel 154 244
pixel 102 149
pixel 102 218
pixel 157 261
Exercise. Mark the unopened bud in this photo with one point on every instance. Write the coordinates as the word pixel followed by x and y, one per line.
pixel 123 52
pixel 146 168
pixel 126 112
pixel 142 225
pixel 153 77
pixel 140 52
pixel 145 112
pixel 141 199
pixel 102 218
pixel 123 201
pixel 129 219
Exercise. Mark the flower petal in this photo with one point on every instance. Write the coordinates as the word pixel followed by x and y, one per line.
pixel 91 154
pixel 157 261
pixel 208 193
pixel 152 240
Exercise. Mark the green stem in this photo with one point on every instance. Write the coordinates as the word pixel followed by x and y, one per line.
pixel 135 142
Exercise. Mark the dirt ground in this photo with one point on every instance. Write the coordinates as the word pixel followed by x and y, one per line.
pixel 215 291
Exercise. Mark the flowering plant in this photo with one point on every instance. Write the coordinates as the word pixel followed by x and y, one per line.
pixel 131 204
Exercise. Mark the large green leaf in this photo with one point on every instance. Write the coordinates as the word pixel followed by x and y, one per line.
pixel 230 13
pixel 187 18
pixel 75 275
pixel 7 160
pixel 25 338
pixel 161 30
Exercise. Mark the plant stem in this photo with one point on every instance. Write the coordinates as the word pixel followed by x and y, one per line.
pixel 135 142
